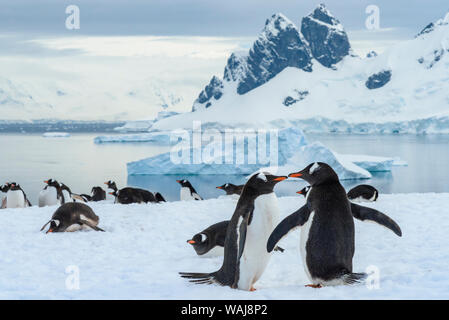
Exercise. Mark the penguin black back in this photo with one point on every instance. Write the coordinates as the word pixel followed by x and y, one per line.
pixel 98 194
pixel 363 192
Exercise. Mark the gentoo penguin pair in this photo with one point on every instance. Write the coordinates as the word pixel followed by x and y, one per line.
pixel 245 254
pixel 360 193
pixel 73 216
pixel 132 195
pixel 211 240
pixel 327 221
pixel 230 188
pixel 15 197
pixel 187 191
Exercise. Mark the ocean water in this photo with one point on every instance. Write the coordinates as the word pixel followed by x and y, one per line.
pixel 28 159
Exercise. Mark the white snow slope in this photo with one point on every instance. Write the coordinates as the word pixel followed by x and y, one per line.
pixel 415 100
pixel 144 247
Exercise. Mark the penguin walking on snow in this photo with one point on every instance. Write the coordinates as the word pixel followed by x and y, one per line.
pixel 230 188
pixel 211 240
pixel 327 235
pixel 187 191
pixel 15 197
pixel 363 193
pixel 245 254
pixel 73 216
pixel 51 195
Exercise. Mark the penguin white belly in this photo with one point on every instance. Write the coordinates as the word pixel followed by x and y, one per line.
pixel 15 199
pixel 255 257
pixel 48 197
pixel 186 194
pixel 67 196
pixel 303 242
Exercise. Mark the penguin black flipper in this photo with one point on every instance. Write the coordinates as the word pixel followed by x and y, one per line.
pixel 87 223
pixel 364 213
pixel 296 219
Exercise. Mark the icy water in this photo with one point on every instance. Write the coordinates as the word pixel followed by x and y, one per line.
pixel 30 158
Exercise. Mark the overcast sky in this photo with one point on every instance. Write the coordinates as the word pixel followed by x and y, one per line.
pixel 202 17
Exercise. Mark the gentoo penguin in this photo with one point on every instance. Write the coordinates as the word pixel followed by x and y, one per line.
pixel 159 197
pixel 3 190
pixel 98 194
pixel 304 191
pixel 245 254
pixel 15 197
pixel 73 216
pixel 230 188
pixel 111 190
pixel 66 193
pixel 51 194
pixel 363 193
pixel 213 239
pixel 134 195
pixel 327 236
pixel 187 191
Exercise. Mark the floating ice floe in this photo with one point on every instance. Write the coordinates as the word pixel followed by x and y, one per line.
pixel 56 135
pixel 372 163
pixel 293 153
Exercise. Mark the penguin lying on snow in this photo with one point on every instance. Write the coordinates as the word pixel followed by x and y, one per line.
pixel 230 188
pixel 15 197
pixel 98 194
pixel 363 193
pixel 245 254
pixel 360 193
pixel 212 240
pixel 327 236
pixel 73 216
pixel 134 195
pixel 187 191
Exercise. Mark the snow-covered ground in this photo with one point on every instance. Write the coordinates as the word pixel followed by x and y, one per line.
pixel 144 247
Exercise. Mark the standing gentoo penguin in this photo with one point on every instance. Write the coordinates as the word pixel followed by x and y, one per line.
pixel 51 194
pixel 327 236
pixel 363 193
pixel 211 238
pixel 112 190
pixel 245 254
pixel 15 197
pixel 73 216
pixel 230 188
pixel 3 190
pixel 98 194
pixel 187 191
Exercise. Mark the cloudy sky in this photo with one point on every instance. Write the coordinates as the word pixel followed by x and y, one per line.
pixel 176 44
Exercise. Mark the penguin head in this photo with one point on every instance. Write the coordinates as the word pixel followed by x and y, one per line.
pixel 303 191
pixel 184 183
pixel 111 184
pixel 226 186
pixel 5 187
pixel 96 190
pixel 262 183
pixel 52 183
pixel 200 242
pixel 316 173
pixel 14 186
pixel 55 226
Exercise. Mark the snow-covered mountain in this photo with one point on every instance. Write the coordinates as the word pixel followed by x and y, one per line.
pixel 309 77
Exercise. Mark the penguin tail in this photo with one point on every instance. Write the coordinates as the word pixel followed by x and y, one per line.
pixel 354 278
pixel 199 278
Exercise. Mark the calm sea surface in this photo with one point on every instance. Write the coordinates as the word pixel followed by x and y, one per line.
pixel 29 159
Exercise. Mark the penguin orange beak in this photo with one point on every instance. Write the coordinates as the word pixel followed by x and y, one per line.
pixel 280 178
pixel 295 175
pixel 49 231
pixel 191 241
pixel 219 187
pixel 105 183
pixel 45 181
pixel 299 192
